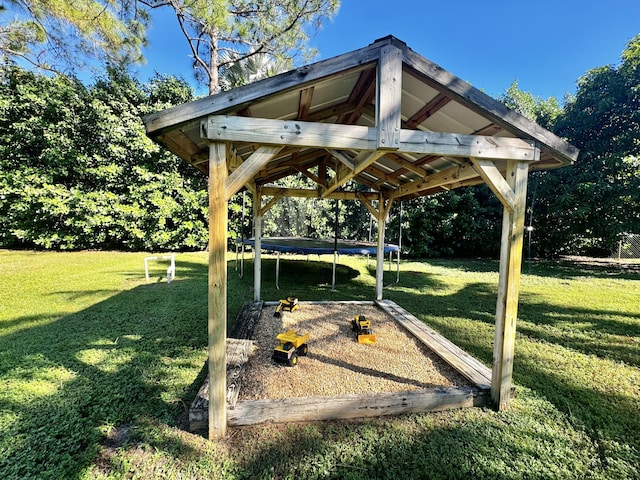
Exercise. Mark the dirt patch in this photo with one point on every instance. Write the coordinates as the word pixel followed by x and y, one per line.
pixel 336 363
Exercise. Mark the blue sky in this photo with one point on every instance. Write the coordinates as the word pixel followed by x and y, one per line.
pixel 545 44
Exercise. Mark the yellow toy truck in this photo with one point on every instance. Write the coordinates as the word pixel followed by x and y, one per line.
pixel 289 304
pixel 291 346
pixel 362 329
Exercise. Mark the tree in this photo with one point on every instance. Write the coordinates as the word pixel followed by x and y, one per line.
pixel 458 223
pixel 221 33
pixel 249 70
pixel 543 112
pixel 61 35
pixel 77 170
pixel 586 207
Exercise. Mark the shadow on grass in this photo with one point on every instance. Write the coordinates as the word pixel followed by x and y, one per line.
pixel 120 356
pixel 434 446
pixel 80 375
pixel 610 421
pixel 553 349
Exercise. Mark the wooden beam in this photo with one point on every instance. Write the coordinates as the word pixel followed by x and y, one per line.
pixel 407 165
pixel 308 193
pixel 343 175
pixel 384 205
pixel 306 409
pixel 343 158
pixel 455 174
pixel 362 94
pixel 356 137
pixel 427 111
pixel 217 291
pixel 257 237
pixel 466 365
pixel 389 98
pixel 310 176
pixel 272 202
pixel 252 165
pixel 285 132
pixel 456 145
pixel 368 205
pixel 496 182
pixel 508 285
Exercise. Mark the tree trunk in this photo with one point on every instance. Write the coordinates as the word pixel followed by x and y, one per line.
pixel 214 80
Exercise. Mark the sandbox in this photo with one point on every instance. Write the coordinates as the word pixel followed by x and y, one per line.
pixel 411 368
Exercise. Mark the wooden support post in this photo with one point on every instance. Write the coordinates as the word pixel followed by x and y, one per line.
pixel 217 322
pixel 381 218
pixel 509 283
pixel 257 246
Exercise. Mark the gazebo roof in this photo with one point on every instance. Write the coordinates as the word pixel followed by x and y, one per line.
pixel 383 116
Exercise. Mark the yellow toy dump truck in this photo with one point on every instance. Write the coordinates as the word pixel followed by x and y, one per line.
pixel 289 304
pixel 291 346
pixel 362 328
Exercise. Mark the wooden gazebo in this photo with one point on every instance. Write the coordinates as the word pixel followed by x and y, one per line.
pixel 382 116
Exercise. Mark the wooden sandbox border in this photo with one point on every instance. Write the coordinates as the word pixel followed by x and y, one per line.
pixel 304 409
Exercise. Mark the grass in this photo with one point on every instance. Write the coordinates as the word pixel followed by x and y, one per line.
pixel 97 368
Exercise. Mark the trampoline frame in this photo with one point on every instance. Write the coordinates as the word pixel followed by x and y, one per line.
pixel 295 245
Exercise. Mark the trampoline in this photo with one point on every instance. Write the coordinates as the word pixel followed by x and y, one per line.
pixel 313 246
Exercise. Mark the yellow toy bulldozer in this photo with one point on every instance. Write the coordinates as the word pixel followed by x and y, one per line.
pixel 291 346
pixel 362 328
pixel 289 304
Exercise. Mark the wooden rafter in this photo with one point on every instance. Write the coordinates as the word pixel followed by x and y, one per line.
pixel 361 95
pixel 304 105
pixel 344 174
pixel 406 165
pixel 427 111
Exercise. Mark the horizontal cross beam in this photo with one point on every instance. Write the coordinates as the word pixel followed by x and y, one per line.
pixel 265 131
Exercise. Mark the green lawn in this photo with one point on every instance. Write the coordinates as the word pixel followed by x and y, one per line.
pixel 97 368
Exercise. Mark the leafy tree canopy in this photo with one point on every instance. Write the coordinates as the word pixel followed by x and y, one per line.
pixel 221 33
pixel 78 171
pixel 587 206
pixel 62 35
